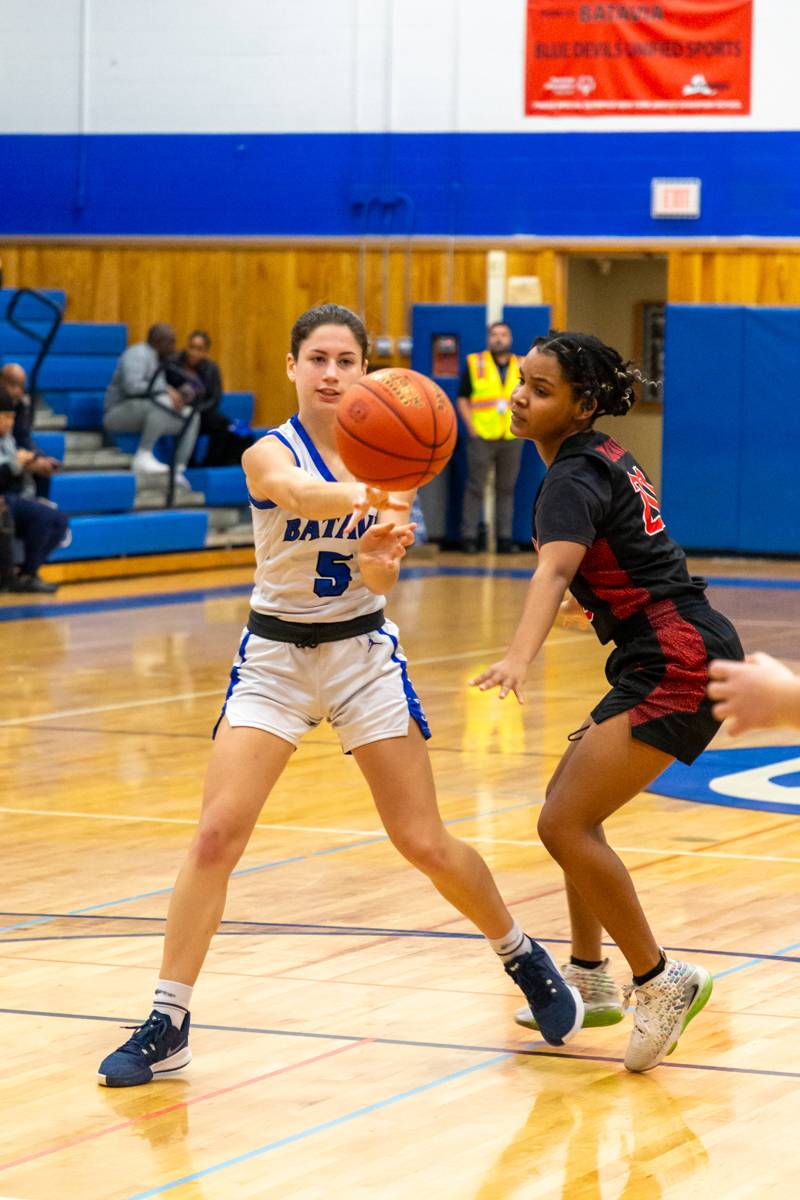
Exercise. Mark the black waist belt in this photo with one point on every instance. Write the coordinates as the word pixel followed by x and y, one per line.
pixel 300 633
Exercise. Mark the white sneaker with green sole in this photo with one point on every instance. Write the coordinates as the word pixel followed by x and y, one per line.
pixel 664 1007
pixel 602 1000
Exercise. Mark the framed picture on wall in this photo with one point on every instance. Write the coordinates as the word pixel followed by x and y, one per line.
pixel 649 350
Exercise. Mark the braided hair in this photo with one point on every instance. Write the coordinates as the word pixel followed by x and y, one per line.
pixel 595 370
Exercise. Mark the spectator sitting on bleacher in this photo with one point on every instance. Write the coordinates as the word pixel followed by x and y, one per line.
pixel 37 522
pixel 13 382
pixel 7 575
pixel 226 442
pixel 139 400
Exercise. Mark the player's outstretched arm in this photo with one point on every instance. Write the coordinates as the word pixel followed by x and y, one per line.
pixel 272 474
pixel 754 694
pixel 558 562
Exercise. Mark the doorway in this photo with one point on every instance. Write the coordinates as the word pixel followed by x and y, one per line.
pixel 620 298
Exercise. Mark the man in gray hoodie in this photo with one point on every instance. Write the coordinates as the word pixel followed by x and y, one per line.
pixel 139 400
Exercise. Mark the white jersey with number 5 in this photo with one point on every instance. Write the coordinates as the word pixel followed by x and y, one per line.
pixel 307 570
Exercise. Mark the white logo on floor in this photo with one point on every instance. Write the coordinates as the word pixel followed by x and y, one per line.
pixel 758 783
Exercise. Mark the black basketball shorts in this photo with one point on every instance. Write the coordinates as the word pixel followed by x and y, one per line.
pixel 659 677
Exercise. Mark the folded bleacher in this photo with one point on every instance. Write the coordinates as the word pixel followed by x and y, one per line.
pixel 109 515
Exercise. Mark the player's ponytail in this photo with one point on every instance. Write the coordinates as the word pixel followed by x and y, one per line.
pixel 596 371
pixel 327 314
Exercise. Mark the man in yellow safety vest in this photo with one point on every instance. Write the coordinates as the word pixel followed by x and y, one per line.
pixel 484 395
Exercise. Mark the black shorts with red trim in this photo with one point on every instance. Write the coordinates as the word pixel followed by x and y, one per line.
pixel 659 676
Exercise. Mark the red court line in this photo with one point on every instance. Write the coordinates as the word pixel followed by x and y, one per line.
pixel 160 1112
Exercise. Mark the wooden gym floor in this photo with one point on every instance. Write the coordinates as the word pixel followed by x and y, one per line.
pixel 352 1037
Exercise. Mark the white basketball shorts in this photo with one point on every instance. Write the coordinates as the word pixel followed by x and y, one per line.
pixel 359 684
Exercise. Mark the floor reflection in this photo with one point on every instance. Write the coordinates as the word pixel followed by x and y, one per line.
pixel 612 1138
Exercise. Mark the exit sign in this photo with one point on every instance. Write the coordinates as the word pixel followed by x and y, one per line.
pixel 675 198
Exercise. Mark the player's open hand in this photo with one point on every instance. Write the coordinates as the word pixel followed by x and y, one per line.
pixel 508 675
pixel 366 497
pixel 753 694
pixel 386 544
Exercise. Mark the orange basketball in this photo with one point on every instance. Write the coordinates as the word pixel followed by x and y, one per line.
pixel 395 429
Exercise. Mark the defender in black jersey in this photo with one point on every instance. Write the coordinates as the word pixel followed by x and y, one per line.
pixel 599 532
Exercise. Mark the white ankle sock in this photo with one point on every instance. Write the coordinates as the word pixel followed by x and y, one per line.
pixel 173 999
pixel 512 945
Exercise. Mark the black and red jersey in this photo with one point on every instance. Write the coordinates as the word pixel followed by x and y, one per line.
pixel 596 494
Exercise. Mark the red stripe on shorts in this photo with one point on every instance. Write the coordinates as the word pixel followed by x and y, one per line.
pixel 683 686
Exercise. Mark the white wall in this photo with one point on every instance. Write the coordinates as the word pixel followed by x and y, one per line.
pixel 252 66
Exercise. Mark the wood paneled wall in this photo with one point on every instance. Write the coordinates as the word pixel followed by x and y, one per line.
pixel 247 296
pixel 732 276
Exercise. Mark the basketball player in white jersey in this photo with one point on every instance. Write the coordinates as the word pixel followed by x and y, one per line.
pixel 318 647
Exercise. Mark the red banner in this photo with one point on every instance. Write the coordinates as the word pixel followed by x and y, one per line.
pixel 674 58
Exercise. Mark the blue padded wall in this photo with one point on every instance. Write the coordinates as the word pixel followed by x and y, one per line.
pixel 769 473
pixel 444 497
pixel 702 406
pixel 731 429
pixel 527 322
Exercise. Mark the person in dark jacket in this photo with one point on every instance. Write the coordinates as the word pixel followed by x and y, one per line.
pixel 227 440
pixel 14 382
pixel 38 523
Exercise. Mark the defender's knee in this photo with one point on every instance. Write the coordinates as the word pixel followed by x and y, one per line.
pixel 552 832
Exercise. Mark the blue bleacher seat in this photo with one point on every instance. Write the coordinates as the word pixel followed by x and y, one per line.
pixel 128 443
pixel 53 444
pixel 220 485
pixel 94 491
pixel 72 381
pixel 72 338
pixel 84 410
pixel 134 533
pixel 70 372
pixel 238 406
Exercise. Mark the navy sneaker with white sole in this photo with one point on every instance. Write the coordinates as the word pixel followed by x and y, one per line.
pixel 555 1004
pixel 154 1050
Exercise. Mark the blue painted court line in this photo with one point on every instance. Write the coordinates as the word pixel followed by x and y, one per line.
pixel 754 962
pixel 726 581
pixel 311 1130
pixel 282 862
pixel 71 608
pixel 77 912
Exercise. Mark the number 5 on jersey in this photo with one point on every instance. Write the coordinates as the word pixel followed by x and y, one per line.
pixel 333 574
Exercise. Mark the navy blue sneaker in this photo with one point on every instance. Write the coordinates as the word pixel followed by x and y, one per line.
pixel 556 1006
pixel 154 1049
